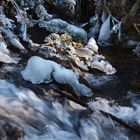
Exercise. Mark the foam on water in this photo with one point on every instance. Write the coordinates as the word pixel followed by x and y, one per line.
pixel 40 119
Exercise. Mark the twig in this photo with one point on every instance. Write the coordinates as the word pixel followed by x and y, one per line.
pixel 134 24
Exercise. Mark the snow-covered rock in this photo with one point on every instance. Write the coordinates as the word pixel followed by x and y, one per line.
pixel 39 70
pixel 61 26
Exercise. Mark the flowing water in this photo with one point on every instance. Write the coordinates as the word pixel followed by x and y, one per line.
pixel 33 112
pixel 26 116
pixel 36 112
pixel 29 114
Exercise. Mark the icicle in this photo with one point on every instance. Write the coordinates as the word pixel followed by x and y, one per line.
pixel 105 31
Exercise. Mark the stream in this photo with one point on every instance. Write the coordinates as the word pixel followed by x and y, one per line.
pixel 53 110
pixel 37 112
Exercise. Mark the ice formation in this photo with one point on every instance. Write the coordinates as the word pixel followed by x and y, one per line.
pixel 6 21
pixel 4 52
pixel 6 58
pixel 3 45
pixel 39 70
pixel 137 50
pixel 12 38
pixel 98 62
pixel 105 31
pixel 92 45
pixel 94 30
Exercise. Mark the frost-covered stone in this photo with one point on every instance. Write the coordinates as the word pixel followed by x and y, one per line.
pixel 81 64
pixel 39 70
pixel 62 47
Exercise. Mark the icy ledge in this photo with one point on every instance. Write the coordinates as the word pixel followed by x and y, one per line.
pixel 39 70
